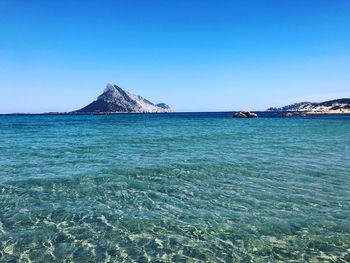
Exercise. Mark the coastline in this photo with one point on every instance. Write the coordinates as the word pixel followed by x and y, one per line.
pixel 328 112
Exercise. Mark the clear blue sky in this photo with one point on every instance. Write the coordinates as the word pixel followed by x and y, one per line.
pixel 206 55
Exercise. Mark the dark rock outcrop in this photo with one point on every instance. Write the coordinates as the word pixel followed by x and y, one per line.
pixel 163 106
pixel 245 114
pixel 289 114
pixel 114 99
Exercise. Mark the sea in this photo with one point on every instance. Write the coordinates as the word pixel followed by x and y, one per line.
pixel 176 187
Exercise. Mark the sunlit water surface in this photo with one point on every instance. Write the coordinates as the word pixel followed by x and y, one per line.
pixel 174 188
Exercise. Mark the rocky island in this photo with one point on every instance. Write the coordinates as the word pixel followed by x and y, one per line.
pixel 245 114
pixel 116 100
pixel 337 106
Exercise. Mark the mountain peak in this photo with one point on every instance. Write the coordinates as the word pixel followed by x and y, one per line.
pixel 110 87
pixel 115 99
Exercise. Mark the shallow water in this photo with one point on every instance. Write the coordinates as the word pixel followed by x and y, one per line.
pixel 174 188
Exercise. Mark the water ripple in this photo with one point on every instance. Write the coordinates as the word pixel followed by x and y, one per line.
pixel 163 188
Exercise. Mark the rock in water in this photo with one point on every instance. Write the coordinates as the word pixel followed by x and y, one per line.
pixel 115 99
pixel 245 114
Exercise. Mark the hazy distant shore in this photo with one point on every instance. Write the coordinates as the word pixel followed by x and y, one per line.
pixel 330 112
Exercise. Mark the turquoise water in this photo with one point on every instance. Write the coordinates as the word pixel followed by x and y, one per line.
pixel 174 188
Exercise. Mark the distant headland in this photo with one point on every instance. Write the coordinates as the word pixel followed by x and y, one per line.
pixel 337 106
